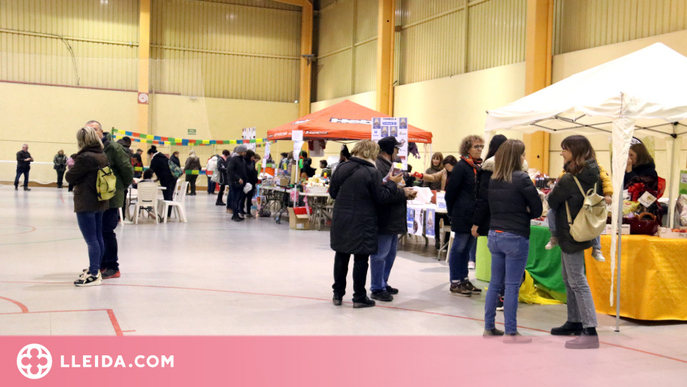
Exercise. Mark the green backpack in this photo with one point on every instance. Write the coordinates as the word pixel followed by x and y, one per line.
pixel 105 183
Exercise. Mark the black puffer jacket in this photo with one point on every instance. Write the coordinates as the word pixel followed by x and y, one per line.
pixel 358 190
pixel 482 215
pixel 160 165
pixel 236 169
pixel 21 156
pixel 648 170
pixel 567 189
pixel 83 175
pixel 514 204
pixel 392 216
pixel 460 197
pixel 222 165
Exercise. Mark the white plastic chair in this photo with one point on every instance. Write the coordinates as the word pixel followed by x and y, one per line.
pixel 147 197
pixel 177 202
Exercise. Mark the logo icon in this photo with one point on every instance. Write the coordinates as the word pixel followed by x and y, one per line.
pixel 34 361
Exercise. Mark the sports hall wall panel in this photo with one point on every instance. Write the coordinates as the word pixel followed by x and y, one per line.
pixel 70 42
pixel 223 50
pixel 581 24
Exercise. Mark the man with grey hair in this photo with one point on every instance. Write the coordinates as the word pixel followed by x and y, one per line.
pixel 120 163
pixel 24 160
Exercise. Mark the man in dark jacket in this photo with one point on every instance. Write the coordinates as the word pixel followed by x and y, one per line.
pixel 252 173
pixel 392 221
pixel 119 160
pixel 24 160
pixel 237 178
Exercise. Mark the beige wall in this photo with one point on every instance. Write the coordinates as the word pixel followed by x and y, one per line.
pixel 451 108
pixel 47 119
pixel 565 65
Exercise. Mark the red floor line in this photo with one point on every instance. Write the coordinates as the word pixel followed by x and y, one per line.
pixel 62 199
pixel 110 314
pixel 21 306
pixel 115 323
pixel 327 300
pixel 22 232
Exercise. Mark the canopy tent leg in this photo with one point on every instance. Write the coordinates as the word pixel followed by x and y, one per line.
pixel 620 247
pixel 672 160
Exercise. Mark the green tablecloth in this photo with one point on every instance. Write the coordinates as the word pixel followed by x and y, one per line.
pixel 543 265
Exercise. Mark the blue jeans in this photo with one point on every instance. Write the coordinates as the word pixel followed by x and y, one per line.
pixel 460 255
pixel 382 262
pixel 91 226
pixel 551 218
pixel 508 261
pixel 211 185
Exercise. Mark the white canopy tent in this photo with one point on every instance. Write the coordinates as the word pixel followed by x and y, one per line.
pixel 640 92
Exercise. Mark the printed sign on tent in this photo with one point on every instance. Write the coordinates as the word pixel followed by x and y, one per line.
pixel 395 127
pixel 410 219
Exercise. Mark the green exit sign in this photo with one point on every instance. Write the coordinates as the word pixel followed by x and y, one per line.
pixel 192 131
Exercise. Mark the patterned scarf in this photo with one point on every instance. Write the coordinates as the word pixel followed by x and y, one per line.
pixel 475 165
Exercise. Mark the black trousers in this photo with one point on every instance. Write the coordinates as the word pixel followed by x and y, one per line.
pixel 25 172
pixel 168 194
pixel 220 195
pixel 236 200
pixel 360 265
pixel 110 255
pixel 60 176
pixel 192 183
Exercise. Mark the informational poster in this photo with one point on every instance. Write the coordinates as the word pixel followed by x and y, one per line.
pixel 249 134
pixel 429 222
pixel 410 219
pixel 395 127
pixel 419 223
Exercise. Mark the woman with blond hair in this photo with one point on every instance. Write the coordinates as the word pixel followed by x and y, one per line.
pixel 192 164
pixel 513 202
pixel 89 209
pixel 460 202
pixel 358 189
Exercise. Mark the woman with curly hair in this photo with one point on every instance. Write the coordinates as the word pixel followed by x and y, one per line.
pixel 460 203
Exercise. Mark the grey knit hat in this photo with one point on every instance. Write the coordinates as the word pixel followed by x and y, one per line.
pixel 241 149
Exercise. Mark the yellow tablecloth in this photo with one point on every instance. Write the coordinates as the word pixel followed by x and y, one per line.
pixel 653 278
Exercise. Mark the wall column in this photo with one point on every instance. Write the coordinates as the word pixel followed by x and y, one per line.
pixel 386 29
pixel 143 65
pixel 538 58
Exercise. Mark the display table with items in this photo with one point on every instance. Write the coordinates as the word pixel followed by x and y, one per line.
pixel 544 266
pixel 653 274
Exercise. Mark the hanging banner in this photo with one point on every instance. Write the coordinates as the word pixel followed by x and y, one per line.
pixel 162 140
pixel 429 223
pixel 394 127
pixel 410 219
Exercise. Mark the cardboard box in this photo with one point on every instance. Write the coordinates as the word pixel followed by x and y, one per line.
pixel 666 232
pixel 625 230
pixel 299 219
pixel 284 182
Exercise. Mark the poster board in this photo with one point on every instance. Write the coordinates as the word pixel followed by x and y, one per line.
pixel 395 127
pixel 430 222
pixel 249 134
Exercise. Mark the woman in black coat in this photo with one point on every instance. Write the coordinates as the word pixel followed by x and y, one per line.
pixel 89 210
pixel 577 153
pixel 513 202
pixel 460 203
pixel 222 164
pixel 640 167
pixel 358 190
pixel 159 163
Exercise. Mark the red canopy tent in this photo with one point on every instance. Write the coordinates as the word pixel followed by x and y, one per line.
pixel 344 121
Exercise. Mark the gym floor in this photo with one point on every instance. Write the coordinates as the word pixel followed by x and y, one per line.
pixel 212 276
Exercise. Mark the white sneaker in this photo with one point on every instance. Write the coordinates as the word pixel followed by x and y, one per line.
pixel 553 242
pixel 87 279
pixel 596 253
pixel 471 265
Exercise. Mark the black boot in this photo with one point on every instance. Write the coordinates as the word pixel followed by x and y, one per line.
pixel 568 329
pixel 588 340
pixel 365 303
pixel 337 299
